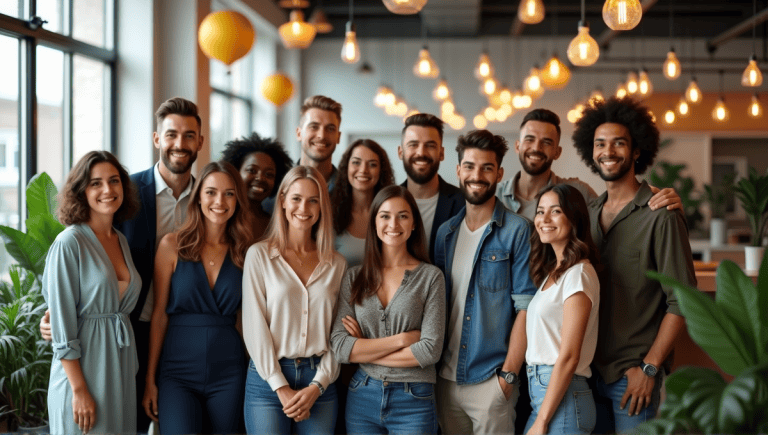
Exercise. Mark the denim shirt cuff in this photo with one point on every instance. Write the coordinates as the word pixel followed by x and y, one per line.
pixel 521 302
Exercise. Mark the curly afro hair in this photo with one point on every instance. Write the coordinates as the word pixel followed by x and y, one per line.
pixel 235 152
pixel 628 112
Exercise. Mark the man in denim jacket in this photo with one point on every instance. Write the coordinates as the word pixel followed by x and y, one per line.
pixel 483 252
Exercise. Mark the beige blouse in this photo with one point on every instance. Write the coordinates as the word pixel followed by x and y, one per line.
pixel 282 318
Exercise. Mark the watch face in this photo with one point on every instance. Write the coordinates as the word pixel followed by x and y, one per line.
pixel 650 370
pixel 509 378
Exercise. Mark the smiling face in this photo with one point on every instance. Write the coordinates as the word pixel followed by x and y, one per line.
pixel 394 222
pixel 551 223
pixel 319 134
pixel 364 169
pixel 218 200
pixel 421 153
pixel 258 171
pixel 612 152
pixel 478 173
pixel 105 190
pixel 302 205
pixel 178 141
pixel 538 146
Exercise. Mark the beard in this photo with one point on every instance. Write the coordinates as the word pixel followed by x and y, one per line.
pixel 478 198
pixel 419 177
pixel 177 168
pixel 621 171
pixel 535 171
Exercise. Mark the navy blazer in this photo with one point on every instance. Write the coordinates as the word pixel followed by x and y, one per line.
pixel 450 201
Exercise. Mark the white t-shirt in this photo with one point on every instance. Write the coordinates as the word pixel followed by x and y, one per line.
pixel 351 248
pixel 461 273
pixel 427 208
pixel 544 321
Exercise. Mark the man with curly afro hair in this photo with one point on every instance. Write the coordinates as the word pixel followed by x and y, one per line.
pixel 639 318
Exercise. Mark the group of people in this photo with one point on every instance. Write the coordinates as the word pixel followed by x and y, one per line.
pixel 232 301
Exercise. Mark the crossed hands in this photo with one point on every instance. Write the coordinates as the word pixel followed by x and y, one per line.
pixel 296 404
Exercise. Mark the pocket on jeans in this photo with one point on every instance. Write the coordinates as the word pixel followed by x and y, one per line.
pixel 354 384
pixel 543 379
pixel 421 390
pixel 585 410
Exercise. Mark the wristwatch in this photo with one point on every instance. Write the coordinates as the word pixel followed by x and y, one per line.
pixel 319 386
pixel 650 370
pixel 509 377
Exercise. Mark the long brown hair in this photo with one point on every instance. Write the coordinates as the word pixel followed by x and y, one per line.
pixel 580 245
pixel 370 278
pixel 239 232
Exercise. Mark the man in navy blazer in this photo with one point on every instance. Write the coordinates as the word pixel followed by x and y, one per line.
pixel 421 151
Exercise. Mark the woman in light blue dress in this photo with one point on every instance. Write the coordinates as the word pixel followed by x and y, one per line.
pixel 91 286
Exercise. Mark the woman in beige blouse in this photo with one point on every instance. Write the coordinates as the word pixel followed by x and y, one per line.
pixel 291 282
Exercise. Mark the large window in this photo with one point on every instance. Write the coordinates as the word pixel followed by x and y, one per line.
pixel 56 93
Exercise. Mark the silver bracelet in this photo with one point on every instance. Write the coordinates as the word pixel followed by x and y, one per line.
pixel 319 386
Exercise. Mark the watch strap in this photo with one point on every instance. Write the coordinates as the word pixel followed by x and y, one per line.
pixel 319 386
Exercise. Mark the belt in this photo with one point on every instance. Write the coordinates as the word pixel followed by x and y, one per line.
pixel 122 335
pixel 198 319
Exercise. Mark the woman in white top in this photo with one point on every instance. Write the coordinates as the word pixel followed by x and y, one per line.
pixel 291 282
pixel 561 323
pixel 364 170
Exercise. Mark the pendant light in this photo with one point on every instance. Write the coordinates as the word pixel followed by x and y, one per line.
pixel 297 33
pixel 384 96
pixel 404 7
pixel 575 114
pixel 644 85
pixel 621 91
pixel 555 74
pixel 669 117
pixel 320 20
pixel 484 68
pixel 479 121
pixel 447 108
pixel 632 83
pixel 752 76
pixel 622 14
pixel 293 4
pixel 583 49
pixel 350 50
pixel 530 11
pixel 457 121
pixel 693 93
pixel 441 92
pixel 489 113
pixel 596 96
pixel 683 109
pixel 532 84
pixel 671 67
pixel 505 95
pixel 755 109
pixel 489 86
pixel 720 113
pixel 425 67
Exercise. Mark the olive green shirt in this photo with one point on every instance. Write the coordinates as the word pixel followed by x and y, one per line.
pixel 632 305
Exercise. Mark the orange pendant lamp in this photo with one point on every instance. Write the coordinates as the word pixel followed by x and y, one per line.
pixel 226 36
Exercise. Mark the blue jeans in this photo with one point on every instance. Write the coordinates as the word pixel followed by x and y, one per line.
pixel 383 407
pixel 264 411
pixel 576 412
pixel 612 418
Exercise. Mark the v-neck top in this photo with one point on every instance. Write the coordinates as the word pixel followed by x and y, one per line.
pixel 418 303
pixel 190 292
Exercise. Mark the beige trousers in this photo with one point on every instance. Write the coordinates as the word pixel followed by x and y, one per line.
pixel 475 409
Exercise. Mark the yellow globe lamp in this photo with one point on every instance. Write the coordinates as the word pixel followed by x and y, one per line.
pixel 404 7
pixel 583 49
pixel 277 88
pixel 225 36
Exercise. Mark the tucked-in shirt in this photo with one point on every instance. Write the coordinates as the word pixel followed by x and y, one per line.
pixel 171 214
pixel 427 208
pixel 283 318
pixel 544 322
pixel 505 191
pixel 351 248
pixel 419 303
pixel 632 305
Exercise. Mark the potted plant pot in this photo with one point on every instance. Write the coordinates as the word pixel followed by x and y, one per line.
pixel 753 257
pixel 752 191
pixel 717 231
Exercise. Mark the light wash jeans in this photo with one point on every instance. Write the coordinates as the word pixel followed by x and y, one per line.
pixel 383 407
pixel 613 419
pixel 576 412
pixel 264 412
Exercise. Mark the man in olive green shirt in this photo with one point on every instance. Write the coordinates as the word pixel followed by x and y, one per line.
pixel 639 318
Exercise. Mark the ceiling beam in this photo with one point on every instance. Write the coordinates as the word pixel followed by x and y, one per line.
pixel 737 30
pixel 608 34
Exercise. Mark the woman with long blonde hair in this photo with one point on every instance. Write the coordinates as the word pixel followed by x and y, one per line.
pixel 290 285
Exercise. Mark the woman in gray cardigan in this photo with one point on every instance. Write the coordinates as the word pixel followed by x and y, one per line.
pixel 391 320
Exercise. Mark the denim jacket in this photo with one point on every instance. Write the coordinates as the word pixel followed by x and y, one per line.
pixel 500 286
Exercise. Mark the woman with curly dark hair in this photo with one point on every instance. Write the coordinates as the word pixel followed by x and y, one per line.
pixel 364 170
pixel 262 163
pixel 91 286
pixel 561 324
pixel 195 375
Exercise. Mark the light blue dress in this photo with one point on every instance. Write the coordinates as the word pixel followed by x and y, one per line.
pixel 90 321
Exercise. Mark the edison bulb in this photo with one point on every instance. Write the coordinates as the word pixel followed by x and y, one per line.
pixel 483 69
pixel 683 109
pixel 489 86
pixel 583 49
pixel 632 83
pixel 755 109
pixel 621 91
pixel 425 67
pixel 555 74
pixel 622 14
pixel 531 11
pixel 441 91
pixel 720 112
pixel 644 85
pixel 693 93
pixel 479 121
pixel 672 67
pixel 669 117
pixel 752 76
pixel 350 50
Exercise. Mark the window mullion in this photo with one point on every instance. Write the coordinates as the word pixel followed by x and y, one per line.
pixel 67 120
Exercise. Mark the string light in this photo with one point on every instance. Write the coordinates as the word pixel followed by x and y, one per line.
pixel 479 121
pixel 752 77
pixel 484 68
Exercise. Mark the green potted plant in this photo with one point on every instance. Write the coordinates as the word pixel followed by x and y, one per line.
pixel 716 196
pixel 733 330
pixel 665 174
pixel 752 191
pixel 25 358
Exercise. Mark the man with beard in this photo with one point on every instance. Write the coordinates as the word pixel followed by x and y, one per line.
pixel 421 151
pixel 483 252
pixel 318 132
pixel 164 194
pixel 539 146
pixel 639 317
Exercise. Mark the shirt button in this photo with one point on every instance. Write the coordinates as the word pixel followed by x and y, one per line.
pixel 386 384
pixel 463 346
pixel 303 334
pixel 471 295
pixel 493 257
pixel 467 317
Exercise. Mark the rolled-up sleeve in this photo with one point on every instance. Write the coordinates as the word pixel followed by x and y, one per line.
pixel 61 290
pixel 341 342
pixel 429 348
pixel 523 288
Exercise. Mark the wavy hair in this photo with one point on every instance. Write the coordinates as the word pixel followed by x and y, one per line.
pixel 239 232
pixel 341 195
pixel 370 277
pixel 276 234
pixel 580 246
pixel 73 206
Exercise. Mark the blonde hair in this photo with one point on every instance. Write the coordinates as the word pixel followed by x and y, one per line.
pixel 322 231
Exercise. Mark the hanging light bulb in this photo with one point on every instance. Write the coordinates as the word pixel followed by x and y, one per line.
pixel 621 91
pixel 669 117
pixel 622 14
pixel 495 99
pixel 293 4
pixel 632 83
pixel 693 93
pixel 447 107
pixel 489 86
pixel 425 67
pixel 441 92
pixel 297 33
pixel 555 75
pixel 755 109
pixel 531 11
pixel 532 84
pixel 683 109
pixel 720 112
pixel 596 96
pixel 350 51
pixel 672 67
pixel 380 100
pixel 400 107
pixel 490 113
pixel 506 110
pixel 483 69
pixel 320 21
pixel 752 76
pixel 644 85
pixel 583 49
pixel 457 122
pixel 505 95
pixel 575 114
pixel 479 121
pixel 404 7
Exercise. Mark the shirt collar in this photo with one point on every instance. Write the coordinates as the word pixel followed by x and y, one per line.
pixel 161 185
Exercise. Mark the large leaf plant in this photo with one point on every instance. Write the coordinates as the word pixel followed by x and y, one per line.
pixel 752 191
pixel 733 330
